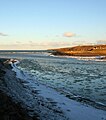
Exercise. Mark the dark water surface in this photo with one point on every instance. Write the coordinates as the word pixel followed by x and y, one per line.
pixel 85 78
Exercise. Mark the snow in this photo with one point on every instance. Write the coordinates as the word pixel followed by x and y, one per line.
pixel 53 105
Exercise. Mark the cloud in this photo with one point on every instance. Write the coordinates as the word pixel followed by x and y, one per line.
pixel 69 34
pixel 30 45
pixel 101 42
pixel 18 42
pixel 3 34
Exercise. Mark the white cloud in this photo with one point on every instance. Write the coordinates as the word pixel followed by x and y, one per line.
pixel 101 42
pixel 69 34
pixel 34 45
pixel 3 34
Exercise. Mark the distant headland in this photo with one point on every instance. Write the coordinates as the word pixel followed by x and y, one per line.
pixel 84 50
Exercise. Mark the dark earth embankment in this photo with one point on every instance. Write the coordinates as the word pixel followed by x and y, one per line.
pixel 9 110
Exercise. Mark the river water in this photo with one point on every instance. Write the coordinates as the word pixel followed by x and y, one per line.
pixel 84 78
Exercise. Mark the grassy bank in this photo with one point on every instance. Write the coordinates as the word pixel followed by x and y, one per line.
pixel 88 50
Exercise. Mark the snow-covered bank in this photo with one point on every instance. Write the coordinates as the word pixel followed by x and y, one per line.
pixel 48 103
pixel 86 58
pixel 9 109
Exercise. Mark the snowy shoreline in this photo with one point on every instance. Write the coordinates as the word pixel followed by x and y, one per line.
pixel 9 107
pixel 53 105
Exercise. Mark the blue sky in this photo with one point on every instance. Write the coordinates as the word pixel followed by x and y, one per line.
pixel 44 24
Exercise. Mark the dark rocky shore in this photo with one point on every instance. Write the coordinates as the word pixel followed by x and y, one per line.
pixel 9 109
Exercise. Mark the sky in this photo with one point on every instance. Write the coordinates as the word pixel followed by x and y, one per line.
pixel 46 24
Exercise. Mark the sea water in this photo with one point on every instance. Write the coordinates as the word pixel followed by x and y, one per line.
pixel 69 76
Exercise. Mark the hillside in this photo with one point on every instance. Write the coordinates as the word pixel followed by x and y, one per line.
pixel 87 50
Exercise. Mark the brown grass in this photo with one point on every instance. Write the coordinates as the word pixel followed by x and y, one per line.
pixel 90 50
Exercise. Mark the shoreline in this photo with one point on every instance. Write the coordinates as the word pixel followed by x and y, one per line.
pixel 81 51
pixel 10 109
pixel 38 99
pixel 61 53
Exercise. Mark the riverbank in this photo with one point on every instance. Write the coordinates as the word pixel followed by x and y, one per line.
pixel 86 51
pixel 9 109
